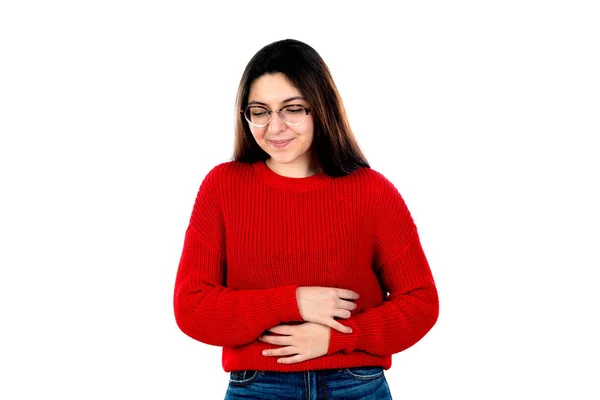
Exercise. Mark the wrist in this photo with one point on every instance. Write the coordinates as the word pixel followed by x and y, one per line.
pixel 345 342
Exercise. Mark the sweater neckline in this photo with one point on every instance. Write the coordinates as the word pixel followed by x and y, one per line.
pixel 285 182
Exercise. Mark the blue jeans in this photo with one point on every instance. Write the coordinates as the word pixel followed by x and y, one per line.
pixel 355 383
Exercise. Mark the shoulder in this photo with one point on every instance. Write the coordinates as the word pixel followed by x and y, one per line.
pixel 229 167
pixel 226 171
pixel 375 181
pixel 220 182
pixel 383 198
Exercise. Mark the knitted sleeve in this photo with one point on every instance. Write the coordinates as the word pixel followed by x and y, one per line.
pixel 411 307
pixel 205 309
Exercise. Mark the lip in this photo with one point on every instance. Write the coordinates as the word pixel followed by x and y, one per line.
pixel 280 143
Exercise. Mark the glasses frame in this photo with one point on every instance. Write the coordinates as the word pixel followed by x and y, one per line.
pixel 243 112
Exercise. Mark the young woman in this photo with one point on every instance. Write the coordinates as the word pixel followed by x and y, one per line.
pixel 300 260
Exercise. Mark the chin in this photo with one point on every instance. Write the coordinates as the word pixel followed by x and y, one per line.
pixel 283 160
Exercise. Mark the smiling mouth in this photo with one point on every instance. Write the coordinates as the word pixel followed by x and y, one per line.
pixel 280 143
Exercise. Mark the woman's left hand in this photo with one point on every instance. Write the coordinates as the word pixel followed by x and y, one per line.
pixel 302 342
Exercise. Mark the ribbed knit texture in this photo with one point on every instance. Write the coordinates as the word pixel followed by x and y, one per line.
pixel 255 236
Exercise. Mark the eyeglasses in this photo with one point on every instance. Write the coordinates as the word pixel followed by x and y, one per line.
pixel 259 116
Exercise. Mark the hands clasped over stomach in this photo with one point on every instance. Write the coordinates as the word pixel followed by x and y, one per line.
pixel 318 307
pixel 321 304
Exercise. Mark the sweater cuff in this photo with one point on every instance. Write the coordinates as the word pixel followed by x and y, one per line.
pixel 345 342
pixel 284 304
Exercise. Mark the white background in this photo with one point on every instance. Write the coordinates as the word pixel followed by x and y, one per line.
pixel 483 114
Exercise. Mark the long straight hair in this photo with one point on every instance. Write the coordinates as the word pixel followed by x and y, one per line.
pixel 334 146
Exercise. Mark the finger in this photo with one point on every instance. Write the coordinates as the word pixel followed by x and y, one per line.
pixel 278 340
pixel 281 329
pixel 339 327
pixel 342 313
pixel 291 360
pixel 346 305
pixel 283 351
pixel 347 294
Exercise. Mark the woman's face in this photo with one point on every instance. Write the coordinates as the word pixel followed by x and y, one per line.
pixel 274 91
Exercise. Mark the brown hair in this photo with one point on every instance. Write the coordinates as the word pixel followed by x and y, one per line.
pixel 334 146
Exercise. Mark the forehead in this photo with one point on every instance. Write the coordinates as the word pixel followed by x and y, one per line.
pixel 272 88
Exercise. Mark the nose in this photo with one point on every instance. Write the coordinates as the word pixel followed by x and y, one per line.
pixel 276 125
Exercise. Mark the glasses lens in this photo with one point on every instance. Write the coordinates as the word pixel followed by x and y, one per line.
pixel 257 115
pixel 293 114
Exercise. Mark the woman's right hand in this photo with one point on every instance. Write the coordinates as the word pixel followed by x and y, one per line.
pixel 321 304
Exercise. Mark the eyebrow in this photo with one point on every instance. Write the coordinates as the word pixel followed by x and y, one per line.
pixel 285 101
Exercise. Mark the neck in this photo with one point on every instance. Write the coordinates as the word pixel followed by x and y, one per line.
pixel 297 170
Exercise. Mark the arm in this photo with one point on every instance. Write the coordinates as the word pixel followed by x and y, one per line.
pixel 204 308
pixel 411 308
pixel 408 313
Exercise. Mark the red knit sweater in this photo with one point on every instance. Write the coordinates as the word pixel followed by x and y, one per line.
pixel 255 236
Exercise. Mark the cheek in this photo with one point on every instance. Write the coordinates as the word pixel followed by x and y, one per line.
pixel 308 131
pixel 257 133
pixel 310 126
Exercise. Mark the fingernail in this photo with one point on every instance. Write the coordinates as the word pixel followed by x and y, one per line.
pixel 264 353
